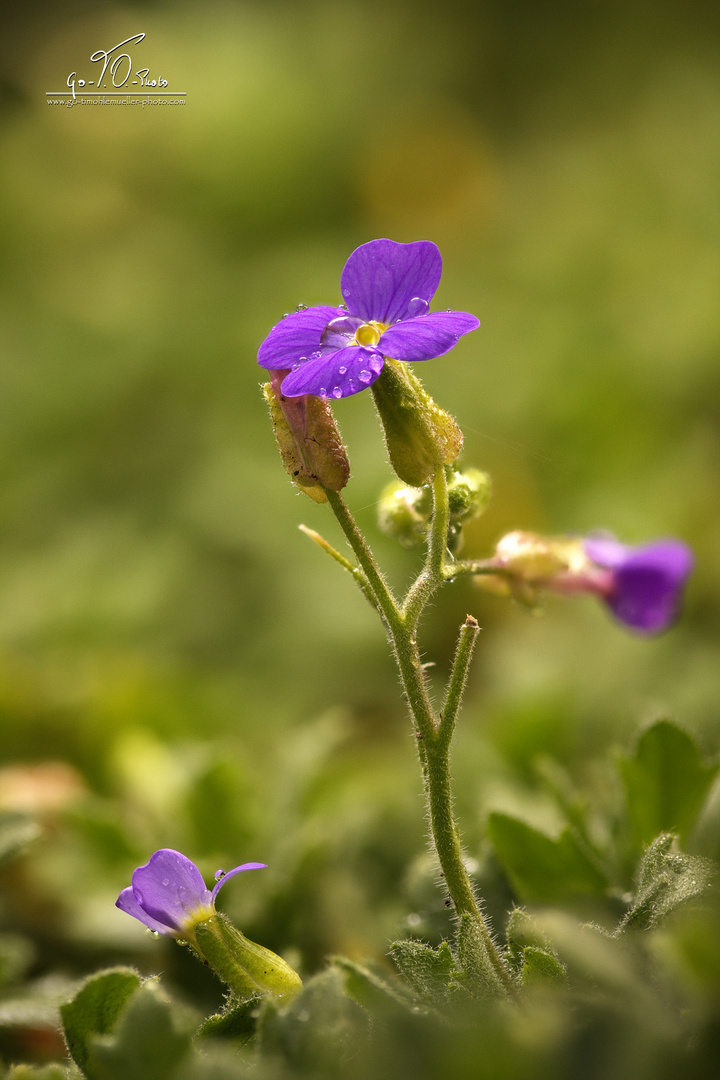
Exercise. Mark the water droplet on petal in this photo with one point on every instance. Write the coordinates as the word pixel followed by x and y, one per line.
pixel 365 376
pixel 285 314
pixel 302 360
pixel 301 307
pixel 166 881
pixel 336 392
pixel 343 306
pixel 342 370
pixel 417 306
pixel 219 874
pixel 322 391
pixel 315 355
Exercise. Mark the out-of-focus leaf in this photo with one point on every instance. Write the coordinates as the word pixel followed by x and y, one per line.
pixel 372 991
pixel 666 782
pixel 237 1021
pixel 95 1009
pixel 543 869
pixel 150 1040
pixel 666 879
pixel 16 955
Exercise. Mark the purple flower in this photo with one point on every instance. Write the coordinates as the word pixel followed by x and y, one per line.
pixel 644 586
pixel 387 287
pixel 169 895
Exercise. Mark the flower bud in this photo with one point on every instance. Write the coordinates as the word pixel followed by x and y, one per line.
pixel 404 513
pixel 308 439
pixel 420 436
pixel 468 494
pixel 247 968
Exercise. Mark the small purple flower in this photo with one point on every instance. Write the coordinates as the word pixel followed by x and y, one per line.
pixel 645 584
pixel 334 352
pixel 169 895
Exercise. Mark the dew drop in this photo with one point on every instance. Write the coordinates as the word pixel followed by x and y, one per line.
pixel 417 306
pixel 219 874
pixel 365 376
pixel 166 881
pixel 322 391
pixel 301 307
pixel 336 392
pixel 285 314
pixel 342 370
pixel 302 360
pixel 343 307
pixel 315 355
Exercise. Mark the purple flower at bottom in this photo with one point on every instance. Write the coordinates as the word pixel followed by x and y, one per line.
pixel 169 894
pixel 645 583
pixel 387 287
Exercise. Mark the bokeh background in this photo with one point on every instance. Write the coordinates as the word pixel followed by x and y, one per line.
pixel 179 666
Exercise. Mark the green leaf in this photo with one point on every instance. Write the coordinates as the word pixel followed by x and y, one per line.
pixel 238 1021
pixel 666 879
pixel 666 782
pixel 95 1009
pixel 151 1038
pixel 371 991
pixel 43 1072
pixel 541 965
pixel 479 976
pixel 431 973
pixel 542 869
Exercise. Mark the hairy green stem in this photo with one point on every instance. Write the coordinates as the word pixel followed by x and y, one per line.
pixel 433 733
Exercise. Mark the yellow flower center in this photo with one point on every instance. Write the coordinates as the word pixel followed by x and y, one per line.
pixel 369 333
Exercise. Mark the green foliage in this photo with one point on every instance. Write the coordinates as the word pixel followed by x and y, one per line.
pixel 16 831
pixel 666 879
pixel 666 782
pixel 95 1009
pixel 544 869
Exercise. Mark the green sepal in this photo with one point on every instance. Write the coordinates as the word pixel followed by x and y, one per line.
pixel 420 436
pixel 246 967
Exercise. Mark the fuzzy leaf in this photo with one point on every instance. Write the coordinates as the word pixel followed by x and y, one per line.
pixel 479 977
pixel 237 1021
pixel 543 869
pixel 150 1040
pixel 666 879
pixel 95 1009
pixel 540 964
pixel 431 973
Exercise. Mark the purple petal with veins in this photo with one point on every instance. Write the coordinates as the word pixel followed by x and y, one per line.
pixel 427 336
pixel 382 279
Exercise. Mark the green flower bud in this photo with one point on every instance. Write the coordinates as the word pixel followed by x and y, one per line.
pixel 246 967
pixel 404 513
pixel 308 439
pixel 468 494
pixel 420 436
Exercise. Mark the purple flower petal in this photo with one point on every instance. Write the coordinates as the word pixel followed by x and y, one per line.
pixel 647 581
pixel 383 281
pixel 426 336
pixel 296 337
pixel 126 902
pixel 336 375
pixel 170 888
pixel 231 873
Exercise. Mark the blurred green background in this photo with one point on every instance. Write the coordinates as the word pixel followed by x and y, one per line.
pixel 197 672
